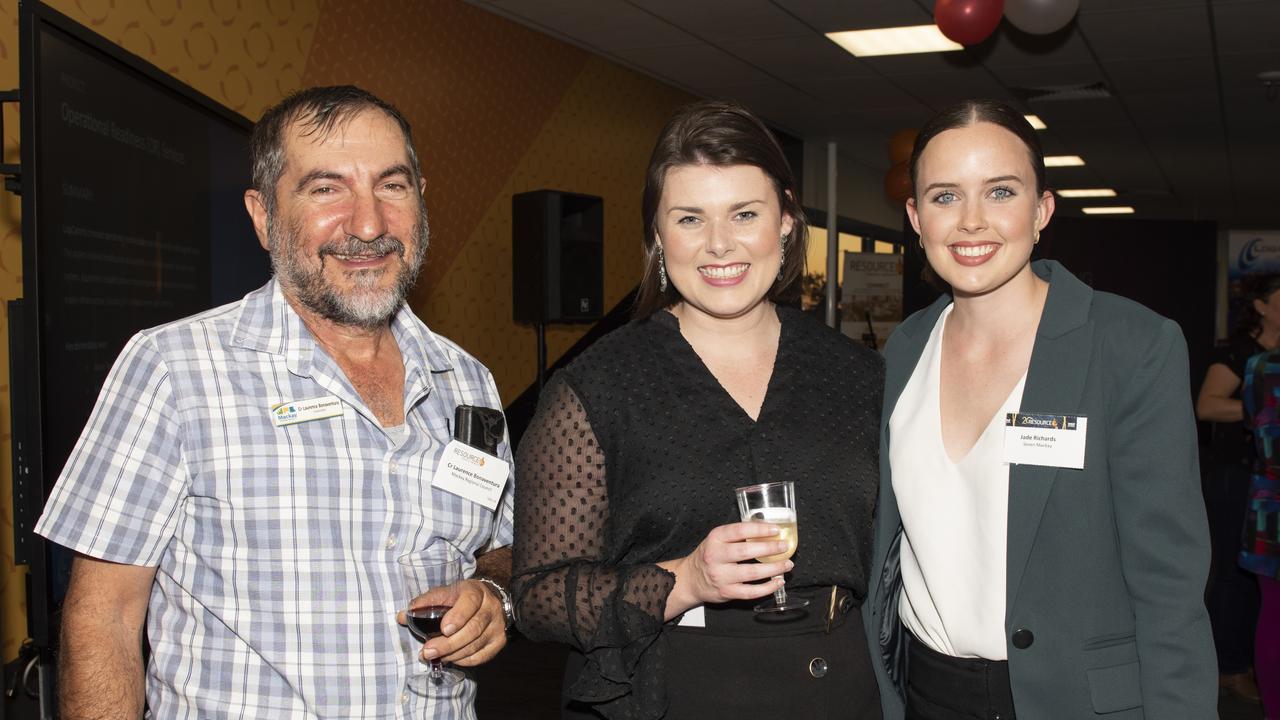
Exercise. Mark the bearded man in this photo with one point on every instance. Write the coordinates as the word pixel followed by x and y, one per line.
pixel 253 477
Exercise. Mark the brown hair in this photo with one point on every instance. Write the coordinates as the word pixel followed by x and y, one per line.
pixel 718 132
pixel 972 112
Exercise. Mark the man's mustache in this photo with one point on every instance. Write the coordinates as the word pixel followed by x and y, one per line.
pixel 354 246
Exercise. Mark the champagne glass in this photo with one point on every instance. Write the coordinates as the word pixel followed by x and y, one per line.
pixel 774 503
pixel 430 572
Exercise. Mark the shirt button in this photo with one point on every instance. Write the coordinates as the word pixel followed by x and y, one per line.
pixel 395 467
pixel 404 698
pixel 391 542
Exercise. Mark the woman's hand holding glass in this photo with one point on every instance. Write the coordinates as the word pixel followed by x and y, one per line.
pixel 718 570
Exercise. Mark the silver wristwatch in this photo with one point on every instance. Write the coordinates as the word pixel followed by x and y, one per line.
pixel 508 607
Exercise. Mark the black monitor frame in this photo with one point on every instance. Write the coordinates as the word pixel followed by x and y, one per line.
pixel 28 416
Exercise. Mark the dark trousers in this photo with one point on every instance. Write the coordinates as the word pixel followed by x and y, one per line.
pixel 1232 596
pixel 941 687
pixel 749 666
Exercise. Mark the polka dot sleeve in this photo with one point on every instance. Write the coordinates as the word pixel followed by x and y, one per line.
pixel 564 592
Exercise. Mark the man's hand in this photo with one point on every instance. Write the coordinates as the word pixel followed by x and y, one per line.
pixel 473 631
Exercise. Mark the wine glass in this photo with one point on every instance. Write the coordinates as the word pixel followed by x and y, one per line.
pixel 430 572
pixel 775 503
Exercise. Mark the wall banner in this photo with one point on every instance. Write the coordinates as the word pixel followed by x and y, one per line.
pixel 871 296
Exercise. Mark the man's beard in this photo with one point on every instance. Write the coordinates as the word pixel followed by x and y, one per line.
pixel 365 306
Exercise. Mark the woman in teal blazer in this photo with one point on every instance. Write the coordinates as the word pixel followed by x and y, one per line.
pixel 1079 401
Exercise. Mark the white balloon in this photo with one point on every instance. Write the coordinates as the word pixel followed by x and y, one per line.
pixel 1040 17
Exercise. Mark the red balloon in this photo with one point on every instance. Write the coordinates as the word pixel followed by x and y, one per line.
pixel 897 183
pixel 968 22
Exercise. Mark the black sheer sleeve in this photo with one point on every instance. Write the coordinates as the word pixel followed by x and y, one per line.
pixel 563 591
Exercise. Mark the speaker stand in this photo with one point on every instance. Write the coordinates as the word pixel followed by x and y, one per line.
pixel 542 354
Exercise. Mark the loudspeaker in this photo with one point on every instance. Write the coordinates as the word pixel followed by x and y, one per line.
pixel 557 257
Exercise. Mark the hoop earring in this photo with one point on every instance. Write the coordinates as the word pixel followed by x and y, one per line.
pixel 1036 239
pixel 662 270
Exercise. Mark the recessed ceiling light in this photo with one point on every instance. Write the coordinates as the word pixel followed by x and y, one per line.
pixel 1063 161
pixel 894 41
pixel 1086 192
pixel 1036 122
pixel 1117 210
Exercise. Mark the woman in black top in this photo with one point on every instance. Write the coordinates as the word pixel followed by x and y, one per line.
pixel 627 544
pixel 1232 597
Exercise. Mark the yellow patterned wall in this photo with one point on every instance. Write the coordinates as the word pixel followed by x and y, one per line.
pixel 597 142
pixel 496 108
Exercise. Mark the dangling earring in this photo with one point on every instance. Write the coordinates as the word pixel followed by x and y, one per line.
pixel 662 270
pixel 782 255
pixel 1036 241
pixel 920 239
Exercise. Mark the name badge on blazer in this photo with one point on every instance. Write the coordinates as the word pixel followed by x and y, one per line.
pixel 1044 439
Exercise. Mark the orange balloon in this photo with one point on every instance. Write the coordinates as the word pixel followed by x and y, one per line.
pixel 897 183
pixel 900 145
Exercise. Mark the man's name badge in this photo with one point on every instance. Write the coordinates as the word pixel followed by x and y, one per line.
pixel 1048 440
pixel 300 411
pixel 471 474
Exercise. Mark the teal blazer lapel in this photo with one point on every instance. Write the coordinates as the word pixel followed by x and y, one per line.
pixel 901 355
pixel 1055 384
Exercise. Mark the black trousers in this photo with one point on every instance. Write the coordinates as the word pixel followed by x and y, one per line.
pixel 1232 596
pixel 941 687
pixel 747 666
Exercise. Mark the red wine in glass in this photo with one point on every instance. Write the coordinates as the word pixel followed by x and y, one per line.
pixel 424 622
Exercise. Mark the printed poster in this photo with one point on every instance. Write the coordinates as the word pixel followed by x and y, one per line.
pixel 871 296
pixel 1250 253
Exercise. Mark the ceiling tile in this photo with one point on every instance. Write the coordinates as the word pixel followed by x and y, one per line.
pixel 1187 75
pixel 1049 76
pixel 836 15
pixel 851 94
pixel 1012 48
pixel 603 25
pixel 939 91
pixel 701 67
pixel 1170 32
pixel 718 20
pixel 1244 27
pixel 798 58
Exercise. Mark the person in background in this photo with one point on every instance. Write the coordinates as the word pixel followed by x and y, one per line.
pixel 251 475
pixel 1261 552
pixel 628 547
pixel 1041 546
pixel 1233 592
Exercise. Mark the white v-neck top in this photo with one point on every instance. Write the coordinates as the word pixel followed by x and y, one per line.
pixel 954 518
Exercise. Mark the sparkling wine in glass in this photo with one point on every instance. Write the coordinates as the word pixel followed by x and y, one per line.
pixel 774 503
pixel 438 574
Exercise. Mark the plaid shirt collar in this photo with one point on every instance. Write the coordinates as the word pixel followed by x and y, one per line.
pixel 268 323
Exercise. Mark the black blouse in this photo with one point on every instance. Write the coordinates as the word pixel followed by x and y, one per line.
pixel 633 457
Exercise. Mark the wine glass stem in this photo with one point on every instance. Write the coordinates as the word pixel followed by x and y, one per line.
pixel 780 595
pixel 437 671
